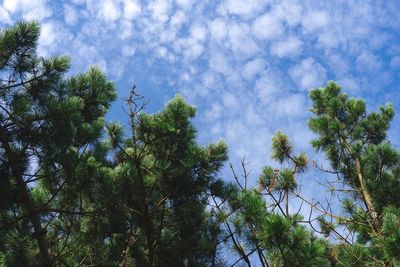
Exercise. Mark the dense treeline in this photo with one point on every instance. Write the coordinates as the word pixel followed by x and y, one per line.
pixel 78 191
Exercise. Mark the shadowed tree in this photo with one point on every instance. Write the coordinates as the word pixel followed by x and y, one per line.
pixel 163 179
pixel 46 124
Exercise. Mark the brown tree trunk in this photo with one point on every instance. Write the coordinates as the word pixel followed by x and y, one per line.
pixel 125 254
pixel 287 202
pixel 367 198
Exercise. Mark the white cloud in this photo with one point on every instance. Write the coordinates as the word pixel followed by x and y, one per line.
pixel 110 11
pixel 286 48
pixel 216 129
pixel 218 29
pixel 240 39
pixel 252 116
pixel 184 3
pixel 367 61
pixel 169 36
pixel 126 30
pixel 31 10
pixel 308 74
pixel 4 16
pixel 219 63
pixel 290 105
pixel 160 10
pixel 178 19
pixel 128 51
pixel 11 5
pixel 243 8
pixel 47 34
pixel 247 140
pixel 193 50
pixel 300 135
pixel 70 14
pixel 269 85
pixel 350 83
pixel 198 32
pixel 192 46
pixel 85 52
pixel 54 37
pixel 315 20
pixel 209 79
pixel 338 64
pixel 288 11
pixel 132 9
pixel 252 68
pixel 331 38
pixel 229 101
pixel 214 113
pixel 268 26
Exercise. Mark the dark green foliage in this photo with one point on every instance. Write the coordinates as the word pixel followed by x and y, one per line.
pixel 390 239
pixel 162 179
pixel 48 127
pixel 292 245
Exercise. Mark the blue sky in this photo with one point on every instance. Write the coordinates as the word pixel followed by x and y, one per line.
pixel 246 65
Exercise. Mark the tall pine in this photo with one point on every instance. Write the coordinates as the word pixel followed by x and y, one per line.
pixel 47 123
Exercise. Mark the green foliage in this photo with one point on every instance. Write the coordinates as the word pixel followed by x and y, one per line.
pixel 253 206
pixel 345 129
pixel 390 239
pixel 289 244
pixel 162 178
pixel 281 148
pixel 355 143
pixel 325 226
pixel 287 180
pixel 267 177
pixel 49 127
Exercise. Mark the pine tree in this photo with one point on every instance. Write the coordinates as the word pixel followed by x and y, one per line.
pixel 162 181
pixel 46 124
pixel 258 220
pixel 355 142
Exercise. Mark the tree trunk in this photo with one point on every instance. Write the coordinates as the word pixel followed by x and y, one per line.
pixel 125 254
pixel 27 202
pixel 365 194
pixel 367 198
pixel 287 202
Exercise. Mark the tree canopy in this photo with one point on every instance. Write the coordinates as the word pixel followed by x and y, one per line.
pixel 76 190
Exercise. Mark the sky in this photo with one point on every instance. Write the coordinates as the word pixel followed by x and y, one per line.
pixel 247 66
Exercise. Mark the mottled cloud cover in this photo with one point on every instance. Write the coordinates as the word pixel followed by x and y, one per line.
pixel 246 65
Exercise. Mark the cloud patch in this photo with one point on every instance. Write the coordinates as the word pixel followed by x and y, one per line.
pixel 308 74
pixel 289 47
pixel 31 10
pixel 267 27
pixel 246 65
